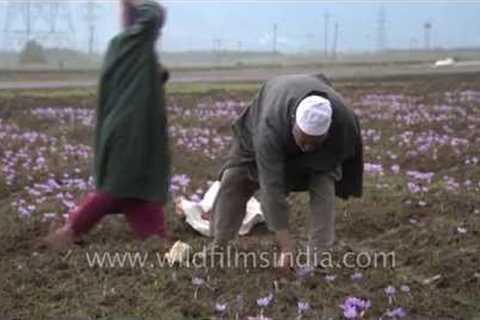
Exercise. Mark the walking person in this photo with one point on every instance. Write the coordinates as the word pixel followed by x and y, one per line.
pixel 131 160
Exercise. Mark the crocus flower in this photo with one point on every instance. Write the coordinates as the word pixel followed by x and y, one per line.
pixel 304 272
pixel 406 289
pixel 355 308
pixel 390 292
pixel 356 276
pixel 263 303
pixel 238 306
pixel 395 168
pixel 302 307
pixel 221 308
pixel 461 230
pixel 396 313
pixel 330 277
pixel 197 283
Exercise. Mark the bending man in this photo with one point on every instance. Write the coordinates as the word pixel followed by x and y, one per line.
pixel 297 135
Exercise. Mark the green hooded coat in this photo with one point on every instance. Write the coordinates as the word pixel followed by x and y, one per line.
pixel 131 139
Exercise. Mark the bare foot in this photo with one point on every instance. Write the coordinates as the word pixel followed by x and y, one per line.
pixel 60 239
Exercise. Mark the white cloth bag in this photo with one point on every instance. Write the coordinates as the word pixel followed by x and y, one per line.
pixel 193 212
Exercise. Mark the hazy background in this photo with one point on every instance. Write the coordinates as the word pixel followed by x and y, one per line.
pixel 220 31
pixel 301 25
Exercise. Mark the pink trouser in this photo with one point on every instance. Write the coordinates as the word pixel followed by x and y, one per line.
pixel 145 218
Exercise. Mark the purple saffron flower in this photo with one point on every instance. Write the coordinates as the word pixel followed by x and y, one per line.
pixel 356 276
pixel 238 306
pixel 422 203
pixel 461 230
pixel 395 168
pixel 265 301
pixel 304 272
pixel 302 307
pixel 350 313
pixel 406 289
pixel 373 169
pixel 390 292
pixel 221 307
pixel 354 308
pixel 197 283
pixel 330 277
pixel 396 313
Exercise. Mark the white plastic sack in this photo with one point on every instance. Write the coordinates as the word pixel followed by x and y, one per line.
pixel 193 212
pixel 179 253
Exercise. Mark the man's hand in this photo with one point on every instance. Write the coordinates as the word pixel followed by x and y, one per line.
pixel 287 251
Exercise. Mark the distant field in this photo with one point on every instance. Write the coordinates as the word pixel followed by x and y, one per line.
pixel 421 201
pixel 76 60
pixel 205 77
pixel 247 66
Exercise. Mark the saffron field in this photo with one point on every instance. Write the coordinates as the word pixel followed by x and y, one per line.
pixel 422 202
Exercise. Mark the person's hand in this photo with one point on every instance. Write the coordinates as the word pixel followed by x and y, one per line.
pixel 286 260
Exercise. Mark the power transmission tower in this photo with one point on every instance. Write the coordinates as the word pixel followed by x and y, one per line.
pixel 309 39
pixel 382 29
pixel 50 23
pixel 427 30
pixel 217 45
pixel 335 41
pixel 413 44
pixel 326 17
pixel 217 49
pixel 91 19
pixel 274 39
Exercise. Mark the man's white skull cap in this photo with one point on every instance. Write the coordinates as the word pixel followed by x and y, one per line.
pixel 314 115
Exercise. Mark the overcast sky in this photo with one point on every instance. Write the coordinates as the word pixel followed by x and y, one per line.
pixel 301 24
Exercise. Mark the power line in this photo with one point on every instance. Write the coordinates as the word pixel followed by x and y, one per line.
pixel 217 44
pixel 91 19
pixel 427 35
pixel 217 49
pixel 274 38
pixel 326 17
pixel 48 22
pixel 413 44
pixel 382 29
pixel 335 41
pixel 310 39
